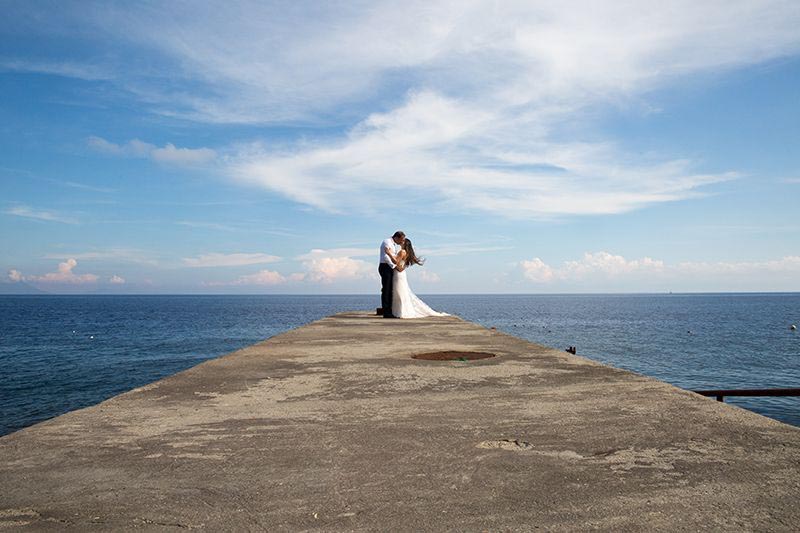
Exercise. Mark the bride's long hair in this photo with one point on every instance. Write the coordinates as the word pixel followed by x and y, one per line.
pixel 411 257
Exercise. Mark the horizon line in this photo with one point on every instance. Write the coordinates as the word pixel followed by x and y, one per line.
pixel 642 293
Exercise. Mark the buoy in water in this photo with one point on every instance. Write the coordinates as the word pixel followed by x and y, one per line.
pixel 793 327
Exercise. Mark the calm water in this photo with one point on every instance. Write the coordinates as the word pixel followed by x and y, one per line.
pixel 59 353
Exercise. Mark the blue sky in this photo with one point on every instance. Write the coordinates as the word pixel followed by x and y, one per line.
pixel 253 147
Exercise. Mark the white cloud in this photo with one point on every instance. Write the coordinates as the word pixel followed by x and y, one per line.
pixel 490 89
pixel 330 269
pixel 492 148
pixel 608 264
pixel 63 274
pixel 169 153
pixel 101 145
pixel 116 280
pixel 427 276
pixel 537 270
pixel 591 265
pixel 319 266
pixel 182 156
pixel 228 260
pixel 25 211
pixel 435 148
pixel 14 275
pixel 328 266
pixel 604 265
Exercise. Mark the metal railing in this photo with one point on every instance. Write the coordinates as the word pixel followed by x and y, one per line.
pixel 721 393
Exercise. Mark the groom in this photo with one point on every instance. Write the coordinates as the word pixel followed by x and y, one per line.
pixel 386 270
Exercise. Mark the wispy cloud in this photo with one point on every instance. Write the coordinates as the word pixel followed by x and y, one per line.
pixel 450 107
pixel 437 148
pixel 312 62
pixel 228 260
pixel 316 253
pixel 83 186
pixel 25 211
pixel 206 225
pixel 787 264
pixel 243 227
pixel 114 254
pixel 84 71
pixel 460 248
pixel 169 153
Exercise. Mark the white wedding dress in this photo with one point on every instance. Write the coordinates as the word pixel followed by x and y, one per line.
pixel 406 304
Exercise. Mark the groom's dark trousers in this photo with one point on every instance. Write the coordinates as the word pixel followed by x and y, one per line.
pixel 387 278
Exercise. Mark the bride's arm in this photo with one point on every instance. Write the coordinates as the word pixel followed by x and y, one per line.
pixel 400 257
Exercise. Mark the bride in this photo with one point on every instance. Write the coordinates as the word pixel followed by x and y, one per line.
pixel 405 303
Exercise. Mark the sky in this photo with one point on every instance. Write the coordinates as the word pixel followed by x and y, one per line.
pixel 524 147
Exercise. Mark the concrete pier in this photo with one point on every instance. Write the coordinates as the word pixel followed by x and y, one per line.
pixel 334 426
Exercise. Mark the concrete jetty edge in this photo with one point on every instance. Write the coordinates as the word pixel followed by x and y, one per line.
pixel 334 426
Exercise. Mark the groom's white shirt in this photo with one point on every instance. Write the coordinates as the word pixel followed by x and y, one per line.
pixel 388 246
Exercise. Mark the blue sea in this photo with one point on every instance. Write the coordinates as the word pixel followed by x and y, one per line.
pixel 59 353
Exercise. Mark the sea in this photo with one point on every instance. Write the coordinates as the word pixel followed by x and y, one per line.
pixel 60 353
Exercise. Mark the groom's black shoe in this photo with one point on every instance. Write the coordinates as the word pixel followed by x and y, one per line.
pixel 389 316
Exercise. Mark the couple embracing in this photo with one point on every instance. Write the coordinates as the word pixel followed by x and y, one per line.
pixel 397 299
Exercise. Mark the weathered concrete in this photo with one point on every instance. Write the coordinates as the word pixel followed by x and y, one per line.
pixel 334 426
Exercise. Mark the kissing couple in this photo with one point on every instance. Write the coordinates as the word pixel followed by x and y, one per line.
pixel 397 299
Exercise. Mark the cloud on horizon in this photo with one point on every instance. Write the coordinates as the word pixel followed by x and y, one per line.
pixel 319 266
pixel 63 274
pixel 602 265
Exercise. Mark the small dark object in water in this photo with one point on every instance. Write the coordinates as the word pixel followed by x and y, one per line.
pixel 793 327
pixel 572 350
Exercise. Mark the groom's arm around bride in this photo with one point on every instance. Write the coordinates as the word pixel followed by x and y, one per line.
pixel 386 266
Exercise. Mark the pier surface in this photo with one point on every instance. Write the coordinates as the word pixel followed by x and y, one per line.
pixel 334 426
